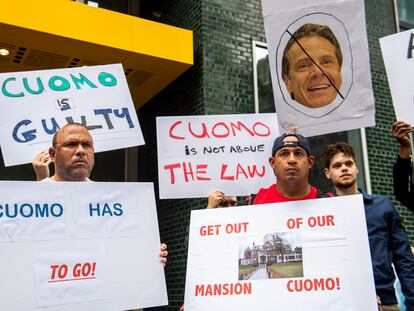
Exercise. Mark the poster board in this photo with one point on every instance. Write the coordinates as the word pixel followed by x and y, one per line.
pixel 303 255
pixel 79 246
pixel 35 104
pixel 319 65
pixel 201 154
pixel 398 51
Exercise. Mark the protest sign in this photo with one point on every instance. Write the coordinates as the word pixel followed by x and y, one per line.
pixel 319 65
pixel 302 255
pixel 35 104
pixel 79 246
pixel 201 154
pixel 398 52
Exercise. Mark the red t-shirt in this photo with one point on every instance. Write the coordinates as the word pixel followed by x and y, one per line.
pixel 270 195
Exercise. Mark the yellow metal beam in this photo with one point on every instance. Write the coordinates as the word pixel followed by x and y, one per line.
pixel 46 34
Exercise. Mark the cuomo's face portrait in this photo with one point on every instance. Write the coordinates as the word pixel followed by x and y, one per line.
pixel 311 66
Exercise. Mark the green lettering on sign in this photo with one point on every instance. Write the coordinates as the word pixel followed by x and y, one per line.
pixel 107 79
pixel 82 80
pixel 40 87
pixel 64 85
pixel 6 92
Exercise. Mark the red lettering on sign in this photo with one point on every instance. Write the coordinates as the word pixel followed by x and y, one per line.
pixel 252 171
pixel 80 271
pixel 244 288
pixel 237 227
pixel 321 221
pixel 308 285
pixel 203 133
pixel 218 130
pixel 294 223
pixel 210 230
pixel 172 128
pixel 171 167
pixel 223 171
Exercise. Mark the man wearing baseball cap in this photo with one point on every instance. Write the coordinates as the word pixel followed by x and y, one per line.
pixel 291 161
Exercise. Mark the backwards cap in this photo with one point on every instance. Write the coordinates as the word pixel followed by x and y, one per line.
pixel 302 142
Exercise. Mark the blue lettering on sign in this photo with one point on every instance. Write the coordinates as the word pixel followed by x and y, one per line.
pixel 63 104
pixel 21 133
pixel 123 113
pixel 30 210
pixel 105 209
pixel 27 136
pixel 54 129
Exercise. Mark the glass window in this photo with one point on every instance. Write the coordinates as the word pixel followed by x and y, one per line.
pixel 121 6
pixel 406 12
pixel 264 102
pixel 263 86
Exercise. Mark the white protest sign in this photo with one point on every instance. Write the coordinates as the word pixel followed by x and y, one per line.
pixel 35 104
pixel 319 64
pixel 303 255
pixel 398 52
pixel 79 246
pixel 201 154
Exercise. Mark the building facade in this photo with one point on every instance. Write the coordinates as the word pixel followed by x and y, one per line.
pixel 222 81
pixel 227 77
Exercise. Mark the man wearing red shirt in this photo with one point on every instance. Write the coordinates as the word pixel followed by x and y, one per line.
pixel 291 162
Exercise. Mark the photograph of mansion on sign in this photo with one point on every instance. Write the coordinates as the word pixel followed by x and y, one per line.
pixel 279 256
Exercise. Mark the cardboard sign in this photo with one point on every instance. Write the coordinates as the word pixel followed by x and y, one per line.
pixel 319 64
pixel 35 104
pixel 200 154
pixel 304 255
pixel 79 246
pixel 398 52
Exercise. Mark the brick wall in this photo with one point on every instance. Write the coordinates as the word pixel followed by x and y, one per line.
pixel 183 97
pixel 228 30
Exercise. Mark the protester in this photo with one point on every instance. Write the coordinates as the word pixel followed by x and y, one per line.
pixel 311 66
pixel 291 161
pixel 387 238
pixel 403 170
pixel 72 153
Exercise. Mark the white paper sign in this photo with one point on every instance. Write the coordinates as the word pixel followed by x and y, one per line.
pixel 67 275
pixel 319 64
pixel 92 246
pixel 201 154
pixel 21 220
pixel 304 255
pixel 398 52
pixel 35 104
